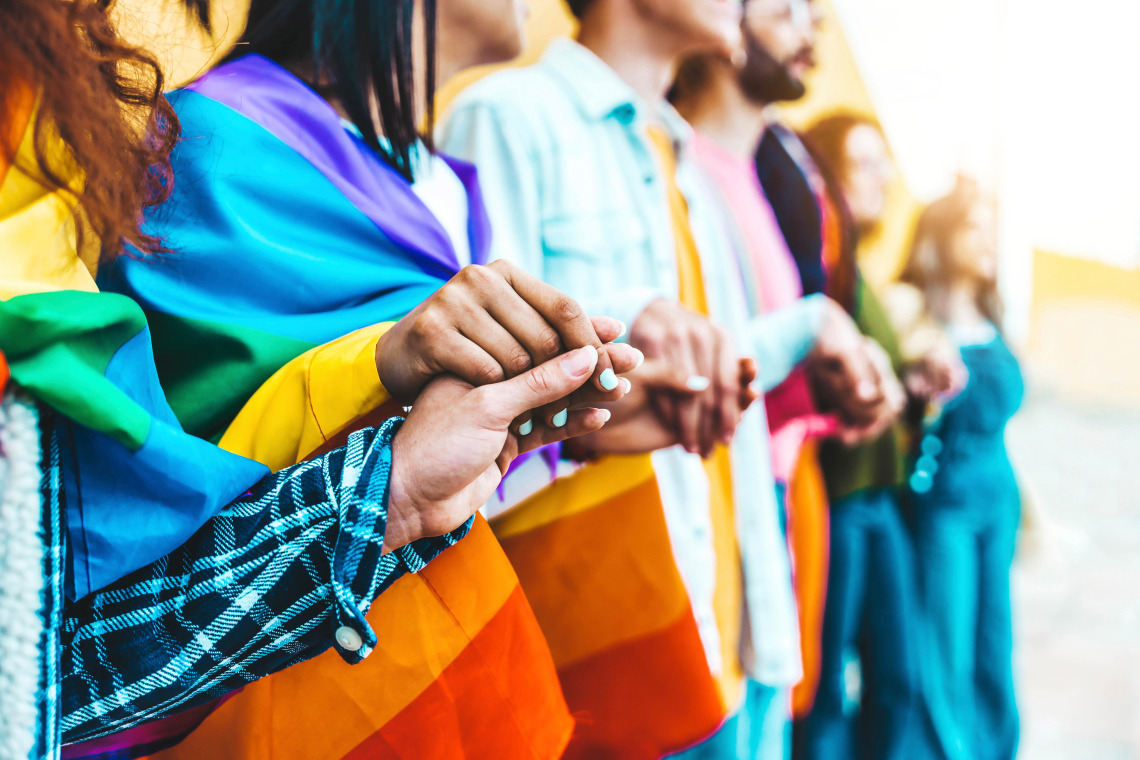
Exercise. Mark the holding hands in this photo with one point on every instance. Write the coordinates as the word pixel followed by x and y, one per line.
pixel 455 446
pixel 492 323
pixel 702 400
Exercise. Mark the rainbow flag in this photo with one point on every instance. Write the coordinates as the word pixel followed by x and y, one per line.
pixel 137 485
pixel 289 233
pixel 594 555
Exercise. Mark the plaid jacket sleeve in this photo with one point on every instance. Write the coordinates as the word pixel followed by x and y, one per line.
pixel 276 578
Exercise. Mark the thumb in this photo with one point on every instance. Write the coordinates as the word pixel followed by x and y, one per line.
pixel 542 385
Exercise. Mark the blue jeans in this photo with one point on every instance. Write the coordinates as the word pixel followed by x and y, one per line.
pixel 760 730
pixel 866 705
pixel 964 558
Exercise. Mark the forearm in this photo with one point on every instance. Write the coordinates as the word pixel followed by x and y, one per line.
pixel 782 339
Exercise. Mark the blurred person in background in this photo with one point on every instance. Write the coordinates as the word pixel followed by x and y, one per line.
pixel 726 104
pixel 967 500
pixel 592 185
pixel 870 599
pixel 870 679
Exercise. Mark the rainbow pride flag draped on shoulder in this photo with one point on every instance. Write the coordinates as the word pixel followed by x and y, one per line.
pixel 137 485
pixel 291 233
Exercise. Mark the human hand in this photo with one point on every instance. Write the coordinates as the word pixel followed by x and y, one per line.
pixel 841 371
pixel 893 399
pixel 940 372
pixel 635 425
pixel 703 353
pixel 455 446
pixel 491 323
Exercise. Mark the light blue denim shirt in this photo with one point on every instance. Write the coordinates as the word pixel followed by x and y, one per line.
pixel 577 196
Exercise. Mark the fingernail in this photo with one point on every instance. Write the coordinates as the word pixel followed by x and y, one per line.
pixel 640 358
pixel 559 419
pixel 626 385
pixel 624 330
pixel 605 415
pixel 581 361
pixel 698 383
pixel 608 379
pixel 526 427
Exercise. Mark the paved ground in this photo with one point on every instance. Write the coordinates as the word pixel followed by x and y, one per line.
pixel 1077 582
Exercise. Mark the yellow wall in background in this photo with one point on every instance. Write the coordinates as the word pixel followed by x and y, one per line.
pixel 1085 328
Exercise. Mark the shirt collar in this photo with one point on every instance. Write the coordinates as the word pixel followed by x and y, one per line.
pixel 599 92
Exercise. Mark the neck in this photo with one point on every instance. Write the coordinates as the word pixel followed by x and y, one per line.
pixel 722 113
pixel 637 52
pixel 962 303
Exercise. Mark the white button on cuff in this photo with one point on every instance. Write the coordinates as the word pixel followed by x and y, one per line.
pixel 348 638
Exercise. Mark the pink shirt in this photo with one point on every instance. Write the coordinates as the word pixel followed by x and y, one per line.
pixel 774 283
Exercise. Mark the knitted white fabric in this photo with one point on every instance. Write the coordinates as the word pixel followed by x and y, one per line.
pixel 21 577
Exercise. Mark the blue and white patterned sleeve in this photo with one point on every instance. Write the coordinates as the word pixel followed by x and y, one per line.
pixel 276 578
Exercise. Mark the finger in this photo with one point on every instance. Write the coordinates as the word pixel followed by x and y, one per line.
pixel 729 410
pixel 608 329
pixel 565 315
pixel 690 409
pixel 498 341
pixel 749 371
pixel 659 375
pixel 579 422
pixel 708 344
pixel 542 385
pixel 625 359
pixel 468 361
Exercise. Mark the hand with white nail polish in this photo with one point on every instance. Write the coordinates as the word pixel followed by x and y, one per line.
pixel 636 426
pixel 456 444
pixel 494 322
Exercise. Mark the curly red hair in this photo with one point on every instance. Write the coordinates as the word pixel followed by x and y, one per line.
pixel 104 98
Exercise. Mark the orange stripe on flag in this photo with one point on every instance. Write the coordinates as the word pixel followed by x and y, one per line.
pixel 597 565
pixel 602 576
pixel 662 709
pixel 455 705
pixel 324 708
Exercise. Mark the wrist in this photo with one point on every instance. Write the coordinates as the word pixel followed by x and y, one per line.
pixel 403 525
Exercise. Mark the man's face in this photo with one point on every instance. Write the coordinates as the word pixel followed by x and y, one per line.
pixel 699 26
pixel 779 39
pixel 486 31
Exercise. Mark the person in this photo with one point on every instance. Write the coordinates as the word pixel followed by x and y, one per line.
pixel 591 186
pixel 965 491
pixel 878 639
pixel 779 39
pixel 727 106
pixel 280 568
pixel 300 215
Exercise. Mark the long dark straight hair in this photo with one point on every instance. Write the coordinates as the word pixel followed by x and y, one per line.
pixel 361 52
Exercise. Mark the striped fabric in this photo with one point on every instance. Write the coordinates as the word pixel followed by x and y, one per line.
pixel 594 556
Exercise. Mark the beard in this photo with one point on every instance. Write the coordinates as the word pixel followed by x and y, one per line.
pixel 765 79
